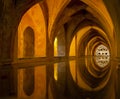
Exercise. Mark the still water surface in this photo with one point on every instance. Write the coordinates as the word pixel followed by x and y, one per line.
pixel 83 78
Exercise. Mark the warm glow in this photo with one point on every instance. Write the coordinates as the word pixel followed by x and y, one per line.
pixel 102 56
pixel 54 8
pixel 33 18
pixel 72 48
pixel 56 47
pixel 102 61
pixel 98 9
pixel 73 70
pixel 102 50
pixel 56 72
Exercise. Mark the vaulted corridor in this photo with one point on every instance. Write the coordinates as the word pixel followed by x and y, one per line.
pixel 59 49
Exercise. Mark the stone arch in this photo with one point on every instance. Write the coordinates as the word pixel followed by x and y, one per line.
pixel 86 38
pixel 20 9
pixel 101 10
pixel 35 19
pixel 86 33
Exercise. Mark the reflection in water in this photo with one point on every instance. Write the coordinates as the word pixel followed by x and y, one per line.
pixel 102 61
pixel 102 56
pixel 74 79
pixel 86 80
pixel 88 76
pixel 60 76
pixel 39 91
pixel 55 72
pixel 73 69
pixel 28 81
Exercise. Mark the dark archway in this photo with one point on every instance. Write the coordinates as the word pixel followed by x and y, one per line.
pixel 28 42
pixel 28 75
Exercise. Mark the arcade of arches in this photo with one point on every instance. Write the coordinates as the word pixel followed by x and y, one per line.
pixel 59 49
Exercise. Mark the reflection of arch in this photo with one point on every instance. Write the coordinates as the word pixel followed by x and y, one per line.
pixel 28 79
pixel 28 42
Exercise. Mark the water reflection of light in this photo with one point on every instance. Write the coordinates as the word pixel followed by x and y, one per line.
pixel 102 61
pixel 56 72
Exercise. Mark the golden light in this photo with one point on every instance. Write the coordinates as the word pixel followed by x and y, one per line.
pixel 55 47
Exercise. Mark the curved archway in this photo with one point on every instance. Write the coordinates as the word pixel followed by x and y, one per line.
pixel 35 19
